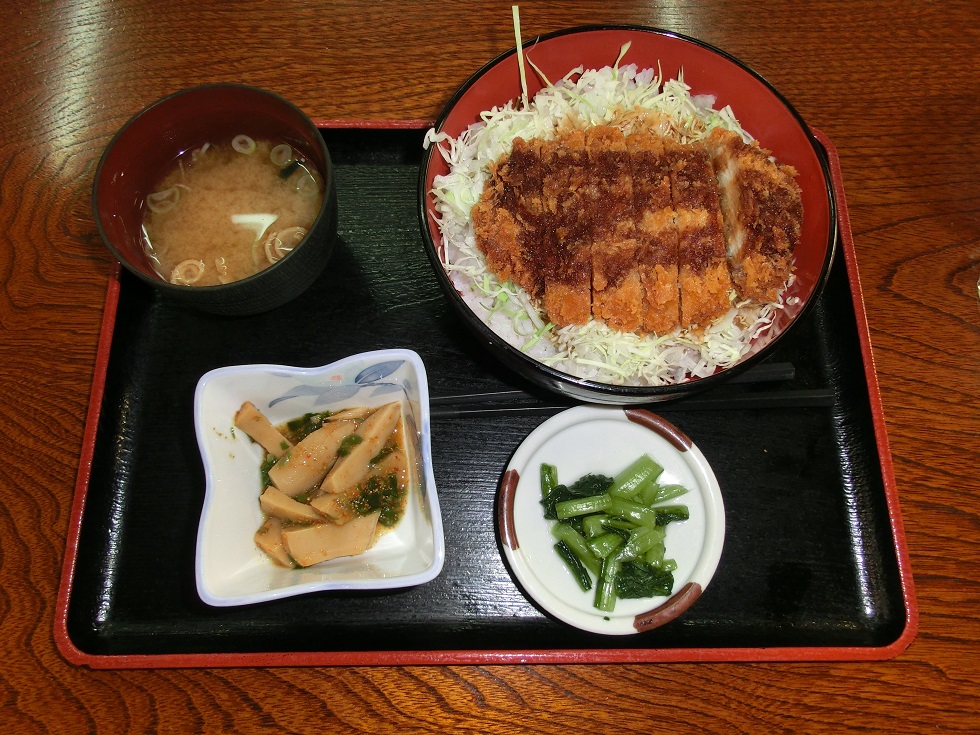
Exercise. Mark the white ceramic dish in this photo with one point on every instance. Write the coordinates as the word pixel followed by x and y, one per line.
pixel 230 569
pixel 604 441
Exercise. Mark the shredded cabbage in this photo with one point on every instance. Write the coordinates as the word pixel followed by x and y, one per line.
pixel 583 98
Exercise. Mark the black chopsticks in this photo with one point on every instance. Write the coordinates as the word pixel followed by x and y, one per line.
pixel 744 397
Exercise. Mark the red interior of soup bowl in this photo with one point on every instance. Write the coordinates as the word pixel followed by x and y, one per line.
pixel 146 148
pixel 761 110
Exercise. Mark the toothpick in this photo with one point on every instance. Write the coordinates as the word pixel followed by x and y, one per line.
pixel 520 52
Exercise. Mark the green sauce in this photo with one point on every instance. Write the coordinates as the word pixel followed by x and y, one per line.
pixel 385 451
pixel 264 470
pixel 348 443
pixel 380 493
pixel 300 428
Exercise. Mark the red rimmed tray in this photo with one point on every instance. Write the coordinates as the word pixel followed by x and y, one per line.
pixel 815 565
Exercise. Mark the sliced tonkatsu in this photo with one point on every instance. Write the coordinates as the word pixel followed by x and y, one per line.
pixel 570 194
pixel 618 296
pixel 702 269
pixel 637 230
pixel 656 232
pixel 763 211
pixel 506 217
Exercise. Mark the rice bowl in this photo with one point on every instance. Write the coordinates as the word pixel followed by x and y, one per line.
pixel 652 71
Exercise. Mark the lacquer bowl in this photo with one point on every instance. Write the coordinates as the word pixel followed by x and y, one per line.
pixel 146 147
pixel 759 107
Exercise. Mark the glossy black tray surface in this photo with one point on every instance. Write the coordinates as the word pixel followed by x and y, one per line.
pixel 810 557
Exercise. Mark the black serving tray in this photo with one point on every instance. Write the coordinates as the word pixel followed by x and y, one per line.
pixel 814 564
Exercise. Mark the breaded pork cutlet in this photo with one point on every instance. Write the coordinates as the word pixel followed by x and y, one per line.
pixel 631 229
pixel 763 211
pixel 570 195
pixel 506 217
pixel 656 232
pixel 702 271
pixel 618 296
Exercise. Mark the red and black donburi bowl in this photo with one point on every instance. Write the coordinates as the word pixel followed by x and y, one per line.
pixel 760 109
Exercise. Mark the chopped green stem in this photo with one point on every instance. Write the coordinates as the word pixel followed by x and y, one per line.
pixel 654 556
pixel 575 566
pixel 594 525
pixel 618 524
pixel 605 590
pixel 573 539
pixel 605 545
pixel 653 493
pixel 628 482
pixel 581 506
pixel 640 541
pixel 549 478
pixel 633 511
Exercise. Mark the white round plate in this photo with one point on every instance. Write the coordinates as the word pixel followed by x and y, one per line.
pixel 602 440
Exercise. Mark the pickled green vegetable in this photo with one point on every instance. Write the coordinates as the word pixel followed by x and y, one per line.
pixel 611 531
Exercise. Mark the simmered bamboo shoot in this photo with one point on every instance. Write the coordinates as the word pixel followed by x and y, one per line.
pixel 354 467
pixel 269 538
pixel 395 463
pixel 338 506
pixel 309 545
pixel 333 507
pixel 254 423
pixel 303 466
pixel 347 474
pixel 276 503
pixel 349 414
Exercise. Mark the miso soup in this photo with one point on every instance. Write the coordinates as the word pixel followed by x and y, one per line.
pixel 229 210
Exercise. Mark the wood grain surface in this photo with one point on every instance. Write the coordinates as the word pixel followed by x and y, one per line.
pixel 894 84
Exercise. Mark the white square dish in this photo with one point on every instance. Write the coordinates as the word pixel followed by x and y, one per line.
pixel 230 568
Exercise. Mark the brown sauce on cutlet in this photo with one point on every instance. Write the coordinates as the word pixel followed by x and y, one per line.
pixel 701 246
pixel 763 214
pixel 516 172
pixel 703 274
pixel 692 183
pixel 617 264
pixel 692 178
pixel 653 207
pixel 775 210
pixel 664 248
pixel 572 219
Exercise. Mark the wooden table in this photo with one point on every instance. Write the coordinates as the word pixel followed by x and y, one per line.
pixel 893 84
